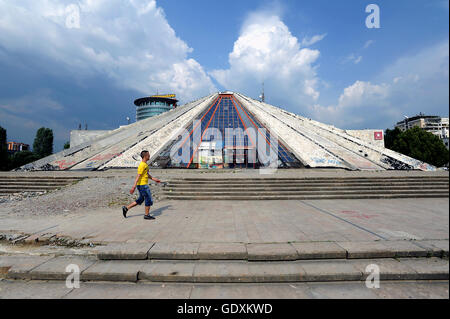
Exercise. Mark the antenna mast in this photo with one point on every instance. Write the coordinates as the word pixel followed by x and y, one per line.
pixel 263 98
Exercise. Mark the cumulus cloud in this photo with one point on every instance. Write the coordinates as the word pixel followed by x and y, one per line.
pixel 128 41
pixel 266 51
pixel 412 84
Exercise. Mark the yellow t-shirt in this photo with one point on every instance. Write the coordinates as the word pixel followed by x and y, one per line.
pixel 143 170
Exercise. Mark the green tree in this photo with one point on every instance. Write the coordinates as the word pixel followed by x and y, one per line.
pixel 4 159
pixel 66 145
pixel 21 158
pixel 43 143
pixel 422 145
pixel 390 136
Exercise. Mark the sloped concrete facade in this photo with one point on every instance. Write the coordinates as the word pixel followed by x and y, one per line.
pixel 316 145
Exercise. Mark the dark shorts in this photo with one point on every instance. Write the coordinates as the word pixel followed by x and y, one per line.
pixel 144 194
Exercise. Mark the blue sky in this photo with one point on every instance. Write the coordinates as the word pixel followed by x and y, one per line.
pixel 68 62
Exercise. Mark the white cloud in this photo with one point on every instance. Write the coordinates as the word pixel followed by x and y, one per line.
pixel 267 51
pixel 414 83
pixel 355 59
pixel 368 43
pixel 306 42
pixel 359 92
pixel 129 41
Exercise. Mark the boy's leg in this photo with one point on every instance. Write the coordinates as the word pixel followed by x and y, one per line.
pixel 139 201
pixel 148 202
pixel 133 204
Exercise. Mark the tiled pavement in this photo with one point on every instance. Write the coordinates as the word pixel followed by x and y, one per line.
pixel 251 222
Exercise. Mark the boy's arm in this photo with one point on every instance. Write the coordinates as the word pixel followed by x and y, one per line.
pixel 152 178
pixel 135 183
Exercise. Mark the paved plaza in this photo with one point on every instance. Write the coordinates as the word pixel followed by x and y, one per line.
pixel 250 221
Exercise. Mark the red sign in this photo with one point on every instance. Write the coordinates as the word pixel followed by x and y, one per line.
pixel 378 136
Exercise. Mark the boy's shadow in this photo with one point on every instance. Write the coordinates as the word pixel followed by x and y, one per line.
pixel 154 213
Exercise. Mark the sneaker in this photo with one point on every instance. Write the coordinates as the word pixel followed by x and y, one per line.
pixel 148 217
pixel 124 211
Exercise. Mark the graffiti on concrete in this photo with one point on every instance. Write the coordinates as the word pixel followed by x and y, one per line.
pixel 324 161
pixel 396 164
pixel 105 157
pixel 63 164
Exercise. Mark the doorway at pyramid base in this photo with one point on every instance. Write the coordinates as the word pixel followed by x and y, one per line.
pixel 210 157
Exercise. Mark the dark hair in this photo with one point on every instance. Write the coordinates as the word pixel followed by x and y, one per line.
pixel 143 153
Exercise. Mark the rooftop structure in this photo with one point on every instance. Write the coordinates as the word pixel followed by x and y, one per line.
pixel 14 147
pixel 228 130
pixel 434 124
pixel 154 105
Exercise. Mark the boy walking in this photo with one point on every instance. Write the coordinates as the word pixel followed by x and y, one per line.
pixel 141 183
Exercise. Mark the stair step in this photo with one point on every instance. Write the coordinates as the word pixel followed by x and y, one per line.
pixel 306 197
pixel 38 182
pixel 300 188
pixel 315 178
pixel 49 179
pixel 233 271
pixel 304 185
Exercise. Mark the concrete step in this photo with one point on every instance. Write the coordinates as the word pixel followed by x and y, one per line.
pixel 204 185
pixel 365 182
pixel 306 188
pixel 44 268
pixel 15 191
pixel 315 180
pixel 239 262
pixel 12 183
pixel 304 185
pixel 36 178
pixel 306 197
pixel 301 188
pixel 30 187
pixel 250 191
pixel 274 251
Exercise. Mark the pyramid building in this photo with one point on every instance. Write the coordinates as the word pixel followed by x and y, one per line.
pixel 229 130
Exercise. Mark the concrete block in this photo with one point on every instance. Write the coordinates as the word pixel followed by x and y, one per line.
pixel 222 251
pixel 434 289
pixel 113 271
pixel 276 271
pixel 162 271
pixel 282 251
pixel 55 269
pixel 20 266
pixel 319 250
pixel 186 251
pixel 329 270
pixel 338 290
pixel 405 249
pixel 90 290
pixel 18 289
pixel 222 272
pixel 428 268
pixel 367 250
pixel 390 269
pixel 436 248
pixel 250 291
pixel 135 251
